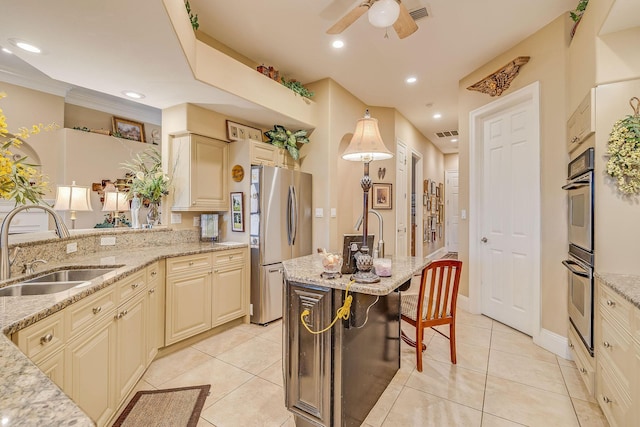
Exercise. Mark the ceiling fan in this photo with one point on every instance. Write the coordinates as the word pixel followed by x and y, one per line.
pixel 382 13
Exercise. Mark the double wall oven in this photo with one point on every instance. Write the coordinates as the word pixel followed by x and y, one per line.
pixel 580 259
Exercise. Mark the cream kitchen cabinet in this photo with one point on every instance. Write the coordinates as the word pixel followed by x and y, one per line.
pixel 583 360
pixel 155 309
pixel 200 173
pixel 188 291
pixel 230 278
pixel 582 122
pixel 266 154
pixel 616 357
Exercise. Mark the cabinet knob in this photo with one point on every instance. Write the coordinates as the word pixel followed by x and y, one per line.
pixel 605 399
pixel 611 303
pixel 97 310
pixel 574 139
pixel 190 263
pixel 583 370
pixel 152 291
pixel 230 256
pixel 118 316
pixel 154 273
pixel 570 344
pixel 606 344
pixel 46 339
pixel 135 285
pixel 193 203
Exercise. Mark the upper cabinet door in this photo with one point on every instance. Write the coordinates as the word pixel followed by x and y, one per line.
pixel 201 171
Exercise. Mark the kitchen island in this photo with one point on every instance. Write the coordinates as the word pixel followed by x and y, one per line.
pixel 334 378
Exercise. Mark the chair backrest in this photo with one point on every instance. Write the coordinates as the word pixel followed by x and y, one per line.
pixel 439 289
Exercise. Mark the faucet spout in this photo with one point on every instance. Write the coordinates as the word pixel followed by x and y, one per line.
pixel 5 265
pixel 380 230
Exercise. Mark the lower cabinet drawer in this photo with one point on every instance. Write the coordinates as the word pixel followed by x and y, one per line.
pixel 615 403
pixel 188 263
pixel 615 348
pixel 228 257
pixel 584 362
pixel 82 314
pixel 42 338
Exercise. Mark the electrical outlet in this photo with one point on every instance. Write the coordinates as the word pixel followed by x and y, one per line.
pixel 107 241
pixel 72 247
pixel 196 221
pixel 176 218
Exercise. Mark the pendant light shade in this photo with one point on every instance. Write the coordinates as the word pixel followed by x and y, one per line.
pixel 383 13
pixel 366 144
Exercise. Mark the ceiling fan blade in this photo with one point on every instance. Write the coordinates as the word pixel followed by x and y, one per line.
pixel 405 25
pixel 349 18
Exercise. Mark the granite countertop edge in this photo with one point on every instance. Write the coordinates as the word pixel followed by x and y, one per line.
pixel 27 395
pixel 625 285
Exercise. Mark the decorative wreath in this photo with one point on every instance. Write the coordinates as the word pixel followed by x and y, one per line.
pixel 624 151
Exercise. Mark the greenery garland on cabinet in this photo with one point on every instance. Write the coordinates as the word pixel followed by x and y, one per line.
pixel 283 138
pixel 623 150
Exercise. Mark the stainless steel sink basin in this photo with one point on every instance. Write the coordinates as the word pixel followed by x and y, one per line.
pixel 71 275
pixel 57 281
pixel 22 289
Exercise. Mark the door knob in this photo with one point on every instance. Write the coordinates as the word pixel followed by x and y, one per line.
pixel 484 240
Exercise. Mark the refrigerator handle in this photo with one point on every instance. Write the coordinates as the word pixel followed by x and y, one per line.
pixel 289 229
pixel 294 220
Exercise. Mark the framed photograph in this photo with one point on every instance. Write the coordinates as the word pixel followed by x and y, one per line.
pixel 128 129
pixel 381 196
pixel 433 187
pixel 424 200
pixel 434 204
pixel 425 186
pixel 441 187
pixel 238 132
pixel 438 193
pixel 237 211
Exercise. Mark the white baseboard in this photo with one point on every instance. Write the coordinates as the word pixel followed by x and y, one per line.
pixel 557 344
pixel 463 302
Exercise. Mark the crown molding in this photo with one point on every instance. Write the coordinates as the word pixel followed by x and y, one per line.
pixel 45 85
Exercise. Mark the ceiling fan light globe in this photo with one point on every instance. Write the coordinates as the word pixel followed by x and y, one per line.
pixel 383 13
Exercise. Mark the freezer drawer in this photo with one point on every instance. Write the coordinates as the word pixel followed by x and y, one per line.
pixel 267 294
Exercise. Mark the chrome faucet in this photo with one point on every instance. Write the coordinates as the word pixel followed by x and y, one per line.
pixel 5 264
pixel 380 248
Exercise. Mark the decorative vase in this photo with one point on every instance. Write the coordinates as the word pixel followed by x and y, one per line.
pixel 153 216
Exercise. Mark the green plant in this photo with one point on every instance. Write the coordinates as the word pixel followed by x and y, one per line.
pixel 283 138
pixel 577 13
pixel 147 177
pixel 623 149
pixel 192 17
pixel 297 87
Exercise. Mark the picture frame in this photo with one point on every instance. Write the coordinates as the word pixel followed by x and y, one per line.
pixel 424 200
pixel 433 187
pixel 237 211
pixel 240 132
pixel 381 196
pixel 441 187
pixel 128 129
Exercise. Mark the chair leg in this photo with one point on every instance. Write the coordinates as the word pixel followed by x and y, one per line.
pixel 419 345
pixel 452 341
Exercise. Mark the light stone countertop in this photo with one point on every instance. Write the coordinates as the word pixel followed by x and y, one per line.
pixel 27 396
pixel 627 285
pixel 308 270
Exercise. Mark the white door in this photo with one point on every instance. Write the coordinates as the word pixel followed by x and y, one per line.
pixel 452 211
pixel 509 213
pixel 401 200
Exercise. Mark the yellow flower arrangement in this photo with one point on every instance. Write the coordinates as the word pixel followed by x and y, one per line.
pixel 19 181
pixel 623 150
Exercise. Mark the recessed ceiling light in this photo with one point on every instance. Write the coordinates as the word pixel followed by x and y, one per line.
pixel 25 46
pixel 437 115
pixel 132 94
pixel 5 50
pixel 454 140
pixel 338 44
pixel 411 80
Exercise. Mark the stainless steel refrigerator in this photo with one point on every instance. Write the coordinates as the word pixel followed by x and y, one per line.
pixel 280 210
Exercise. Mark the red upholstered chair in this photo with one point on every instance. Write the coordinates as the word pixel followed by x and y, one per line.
pixel 434 305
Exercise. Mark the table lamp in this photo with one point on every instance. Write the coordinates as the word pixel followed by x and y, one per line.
pixel 366 146
pixel 72 198
pixel 115 202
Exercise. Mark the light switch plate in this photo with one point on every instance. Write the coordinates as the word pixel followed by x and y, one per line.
pixel 176 218
pixel 107 241
pixel 463 214
pixel 72 247
pixel 196 221
pixel 319 212
pixel 334 213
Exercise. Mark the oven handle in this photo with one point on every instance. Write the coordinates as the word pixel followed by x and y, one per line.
pixel 569 264
pixel 581 181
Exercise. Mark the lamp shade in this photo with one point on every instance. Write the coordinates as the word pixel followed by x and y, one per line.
pixel 366 144
pixel 383 13
pixel 73 198
pixel 115 201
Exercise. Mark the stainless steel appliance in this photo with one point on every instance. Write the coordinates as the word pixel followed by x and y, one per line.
pixel 580 260
pixel 280 210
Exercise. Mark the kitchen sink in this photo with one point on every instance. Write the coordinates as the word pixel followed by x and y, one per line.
pixel 69 275
pixel 56 281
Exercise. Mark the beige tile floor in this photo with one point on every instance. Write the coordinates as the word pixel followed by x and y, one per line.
pixel 501 379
